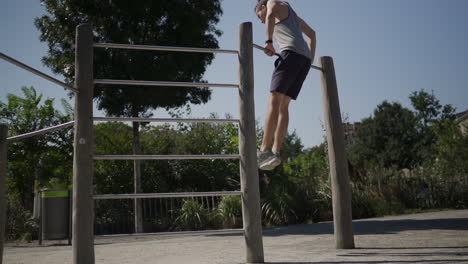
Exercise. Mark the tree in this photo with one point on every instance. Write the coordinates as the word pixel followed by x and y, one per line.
pixel 386 139
pixel 50 154
pixel 165 23
pixel 451 148
pixel 430 114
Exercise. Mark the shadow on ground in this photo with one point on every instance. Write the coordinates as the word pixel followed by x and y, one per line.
pixel 442 261
pixel 368 227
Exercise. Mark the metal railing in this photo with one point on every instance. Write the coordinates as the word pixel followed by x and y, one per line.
pixel 165 157
pixel 162 48
pixel 165 120
pixel 160 213
pixel 196 233
pixel 42 131
pixel 164 195
pixel 159 83
pixel 36 72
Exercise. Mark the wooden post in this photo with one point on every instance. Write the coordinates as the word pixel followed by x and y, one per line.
pixel 83 204
pixel 341 194
pixel 252 215
pixel 3 170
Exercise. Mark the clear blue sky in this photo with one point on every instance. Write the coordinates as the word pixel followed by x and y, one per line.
pixel 383 50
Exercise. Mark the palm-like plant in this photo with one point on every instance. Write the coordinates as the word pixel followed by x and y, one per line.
pixel 192 216
pixel 230 209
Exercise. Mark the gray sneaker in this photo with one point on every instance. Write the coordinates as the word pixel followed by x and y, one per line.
pixel 270 161
pixel 264 157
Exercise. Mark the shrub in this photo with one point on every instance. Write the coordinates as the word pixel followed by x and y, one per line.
pixel 230 209
pixel 192 216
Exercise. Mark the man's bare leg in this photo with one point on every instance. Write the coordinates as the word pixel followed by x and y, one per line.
pixel 282 125
pixel 271 121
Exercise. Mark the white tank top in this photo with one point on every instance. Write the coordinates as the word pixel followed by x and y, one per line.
pixel 288 34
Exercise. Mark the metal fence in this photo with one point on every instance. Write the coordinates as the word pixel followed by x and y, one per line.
pixel 116 216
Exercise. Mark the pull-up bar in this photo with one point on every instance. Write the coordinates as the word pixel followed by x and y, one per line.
pixel 277 54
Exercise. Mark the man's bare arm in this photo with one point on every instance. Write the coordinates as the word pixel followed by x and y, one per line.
pixel 272 9
pixel 312 39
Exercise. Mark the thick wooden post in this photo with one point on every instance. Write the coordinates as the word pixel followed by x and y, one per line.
pixel 341 193
pixel 3 170
pixel 83 204
pixel 252 215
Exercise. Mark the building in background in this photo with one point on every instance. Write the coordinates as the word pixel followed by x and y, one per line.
pixel 461 119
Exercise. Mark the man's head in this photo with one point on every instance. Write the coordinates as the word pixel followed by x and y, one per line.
pixel 261 10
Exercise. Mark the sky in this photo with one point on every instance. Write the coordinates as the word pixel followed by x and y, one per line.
pixel 382 50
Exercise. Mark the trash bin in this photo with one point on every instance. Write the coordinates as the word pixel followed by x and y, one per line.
pixel 55 214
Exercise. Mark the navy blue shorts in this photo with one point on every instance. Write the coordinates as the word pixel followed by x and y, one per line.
pixel 291 69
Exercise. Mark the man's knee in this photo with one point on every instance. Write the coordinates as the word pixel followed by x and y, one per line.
pixel 275 100
pixel 283 109
pixel 284 105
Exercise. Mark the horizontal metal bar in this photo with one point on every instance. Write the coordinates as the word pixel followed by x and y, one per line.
pixel 196 233
pixel 165 120
pixel 263 49
pixel 42 131
pixel 162 48
pixel 164 195
pixel 277 54
pixel 32 70
pixel 165 157
pixel 157 83
pixel 316 68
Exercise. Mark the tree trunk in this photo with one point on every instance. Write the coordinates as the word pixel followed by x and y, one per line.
pixel 137 177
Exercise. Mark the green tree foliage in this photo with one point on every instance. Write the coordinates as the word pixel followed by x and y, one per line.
pixel 426 142
pixel 46 158
pixel 50 155
pixel 397 137
pixel 298 190
pixel 430 114
pixel 113 176
pixel 451 146
pixel 386 139
pixel 165 23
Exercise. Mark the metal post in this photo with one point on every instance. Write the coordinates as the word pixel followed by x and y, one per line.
pixel 3 170
pixel 83 206
pixel 341 194
pixel 41 218
pixel 247 149
pixel 138 210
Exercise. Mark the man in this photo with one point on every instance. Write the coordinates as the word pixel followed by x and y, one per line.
pixel 291 68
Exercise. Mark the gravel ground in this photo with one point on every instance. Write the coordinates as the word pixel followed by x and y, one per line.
pixel 437 237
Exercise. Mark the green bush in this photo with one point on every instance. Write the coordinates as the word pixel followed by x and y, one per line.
pixel 363 202
pixel 230 209
pixel 20 224
pixel 277 209
pixel 192 216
